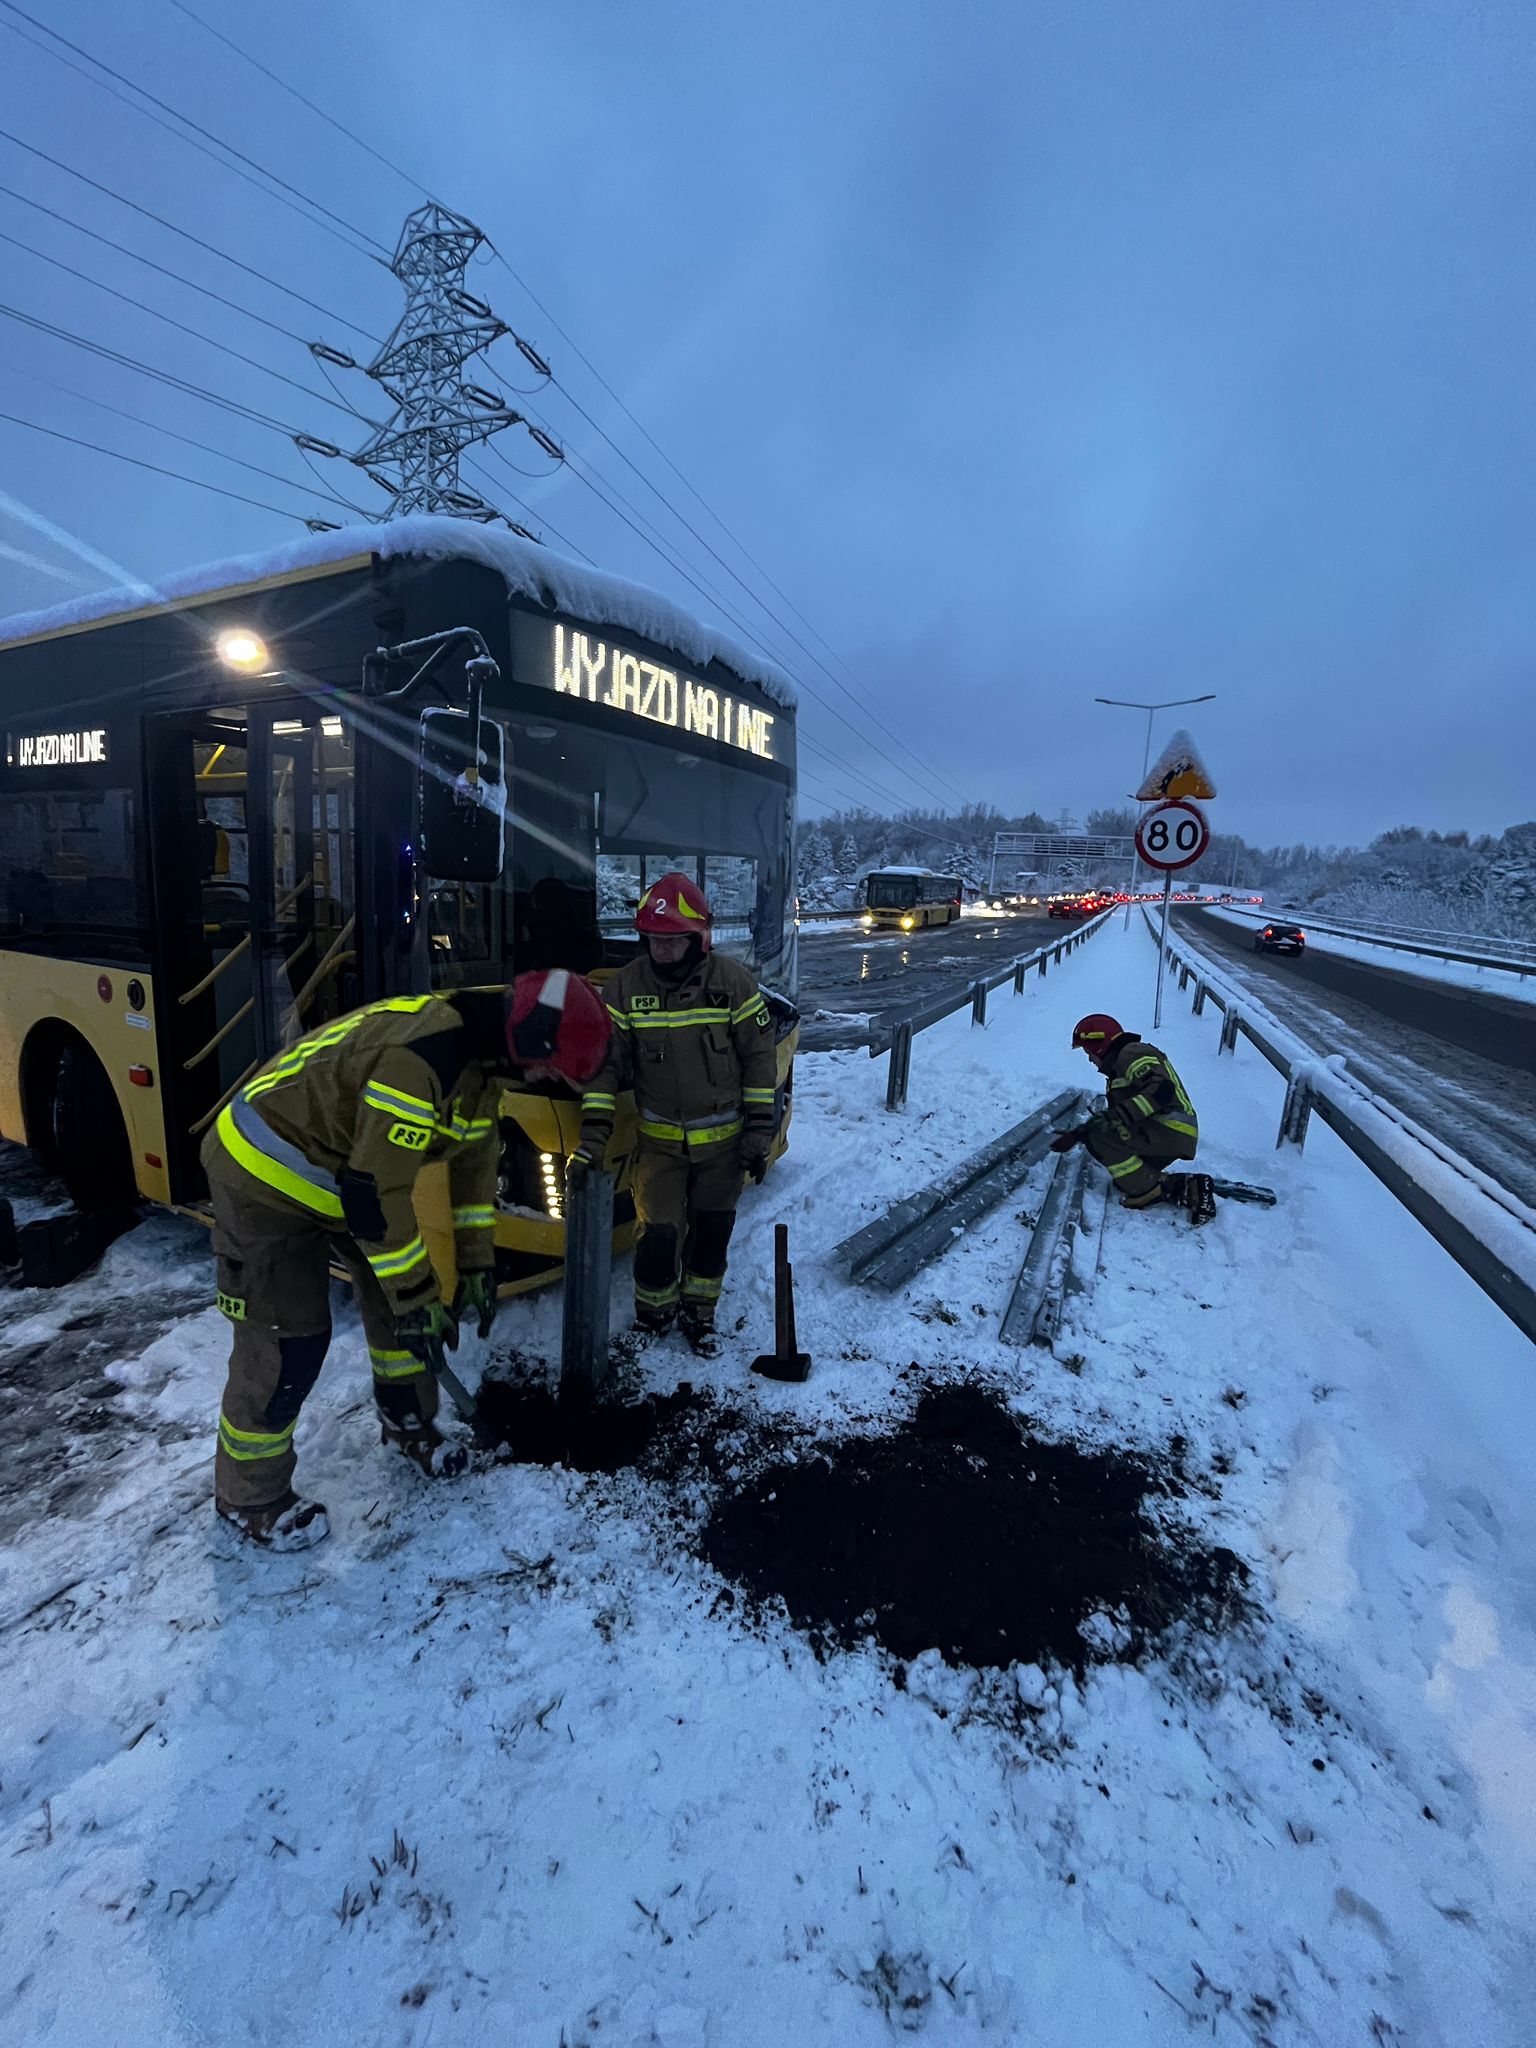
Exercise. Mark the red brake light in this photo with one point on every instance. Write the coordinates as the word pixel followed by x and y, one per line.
pixel 1268 933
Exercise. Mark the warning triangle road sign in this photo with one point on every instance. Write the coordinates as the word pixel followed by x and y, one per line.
pixel 1177 771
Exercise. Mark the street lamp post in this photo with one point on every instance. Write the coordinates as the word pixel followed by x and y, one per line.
pixel 1167 704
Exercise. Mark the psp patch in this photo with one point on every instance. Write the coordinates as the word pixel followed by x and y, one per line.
pixel 645 1002
pixel 231 1305
pixel 411 1137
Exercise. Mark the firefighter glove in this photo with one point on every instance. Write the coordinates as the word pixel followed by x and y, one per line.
pixel 1065 1140
pixel 474 1301
pixel 425 1332
pixel 755 1148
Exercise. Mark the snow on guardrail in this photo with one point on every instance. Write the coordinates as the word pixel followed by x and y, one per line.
pixel 1468 950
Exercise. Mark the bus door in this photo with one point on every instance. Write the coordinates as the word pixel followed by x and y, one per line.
pixel 255 900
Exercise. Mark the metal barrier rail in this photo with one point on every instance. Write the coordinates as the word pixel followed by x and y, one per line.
pixel 1497 1278
pixel 895 1037
pixel 1518 957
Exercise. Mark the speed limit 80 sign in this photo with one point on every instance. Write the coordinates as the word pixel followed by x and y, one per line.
pixel 1173 836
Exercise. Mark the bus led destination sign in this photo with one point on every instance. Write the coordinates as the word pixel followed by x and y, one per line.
pixel 598 672
pixel 57 749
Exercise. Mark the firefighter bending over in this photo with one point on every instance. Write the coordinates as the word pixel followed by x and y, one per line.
pixel 319 1154
pixel 693 1037
pixel 1149 1122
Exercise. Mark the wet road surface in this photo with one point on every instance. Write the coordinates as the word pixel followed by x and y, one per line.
pixel 1461 1063
pixel 847 978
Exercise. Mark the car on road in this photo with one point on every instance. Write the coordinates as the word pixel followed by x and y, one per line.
pixel 1280 938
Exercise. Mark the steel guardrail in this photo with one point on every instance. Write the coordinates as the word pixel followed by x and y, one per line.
pixel 1506 1288
pixel 1518 958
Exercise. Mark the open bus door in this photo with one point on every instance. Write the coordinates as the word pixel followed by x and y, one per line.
pixel 255 893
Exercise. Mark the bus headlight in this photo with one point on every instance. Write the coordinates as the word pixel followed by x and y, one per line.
pixel 243 651
pixel 867 921
pixel 907 923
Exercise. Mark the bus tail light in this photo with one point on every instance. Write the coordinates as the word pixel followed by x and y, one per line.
pixel 141 1077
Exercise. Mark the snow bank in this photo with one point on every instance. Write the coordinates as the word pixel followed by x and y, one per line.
pixel 529 571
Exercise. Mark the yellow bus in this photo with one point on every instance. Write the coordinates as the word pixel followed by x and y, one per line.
pixel 381 761
pixel 907 899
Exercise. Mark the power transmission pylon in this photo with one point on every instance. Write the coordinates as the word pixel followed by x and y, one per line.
pixel 415 454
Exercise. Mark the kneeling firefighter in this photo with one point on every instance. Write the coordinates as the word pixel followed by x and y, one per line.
pixel 319 1155
pixel 693 1037
pixel 1149 1121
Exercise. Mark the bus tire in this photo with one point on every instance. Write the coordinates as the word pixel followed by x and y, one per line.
pixel 88 1138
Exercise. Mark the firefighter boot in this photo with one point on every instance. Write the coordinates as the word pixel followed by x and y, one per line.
pixel 287 1523
pixel 654 1322
pixel 698 1326
pixel 1200 1197
pixel 427 1449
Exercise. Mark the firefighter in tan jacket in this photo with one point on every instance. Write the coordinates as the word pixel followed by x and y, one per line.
pixel 692 1035
pixel 319 1154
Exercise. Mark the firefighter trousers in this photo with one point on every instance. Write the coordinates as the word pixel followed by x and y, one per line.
pixel 685 1204
pixel 1135 1158
pixel 274 1286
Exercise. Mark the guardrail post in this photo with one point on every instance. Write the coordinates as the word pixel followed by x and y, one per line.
pixel 1228 1033
pixel 1199 1004
pixel 1294 1113
pixel 978 1002
pixel 1018 976
pixel 1043 958
pixel 900 1068
pixel 588 1284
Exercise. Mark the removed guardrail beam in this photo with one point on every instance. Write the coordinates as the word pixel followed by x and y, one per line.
pixel 1050 1248
pixel 887 1252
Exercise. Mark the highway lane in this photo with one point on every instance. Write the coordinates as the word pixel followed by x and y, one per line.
pixel 1460 1063
pixel 847 978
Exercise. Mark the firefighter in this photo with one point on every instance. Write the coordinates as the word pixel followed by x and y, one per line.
pixel 693 1037
pixel 319 1154
pixel 1148 1122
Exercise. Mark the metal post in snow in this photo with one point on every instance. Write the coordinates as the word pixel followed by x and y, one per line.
pixel 1228 1033
pixel 1018 976
pixel 588 1284
pixel 1162 955
pixel 900 1067
pixel 1294 1113
pixel 978 1002
pixel 1199 1003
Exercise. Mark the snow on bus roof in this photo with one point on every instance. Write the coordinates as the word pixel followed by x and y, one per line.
pixel 528 570
pixel 939 872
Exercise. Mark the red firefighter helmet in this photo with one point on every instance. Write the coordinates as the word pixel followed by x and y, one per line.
pixel 557 1019
pixel 1096 1032
pixel 676 905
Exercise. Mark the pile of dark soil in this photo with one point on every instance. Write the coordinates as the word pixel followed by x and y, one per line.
pixel 962 1533
pixel 686 1433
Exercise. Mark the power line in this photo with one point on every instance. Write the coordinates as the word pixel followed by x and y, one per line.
pixel 355 239
pixel 862 701
pixel 171 434
pixel 251 362
pixel 35 427
pixel 191 283
pixel 185 233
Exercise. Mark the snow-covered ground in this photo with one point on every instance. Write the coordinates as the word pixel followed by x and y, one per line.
pixel 500 1763
pixel 1509 983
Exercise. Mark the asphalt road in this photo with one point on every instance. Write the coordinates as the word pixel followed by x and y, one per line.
pixel 1459 1062
pixel 848 978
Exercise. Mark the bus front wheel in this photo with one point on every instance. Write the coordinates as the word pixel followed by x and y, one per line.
pixel 89 1139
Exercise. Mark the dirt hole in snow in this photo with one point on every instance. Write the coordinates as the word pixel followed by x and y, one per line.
pixel 961 1532
pixel 673 1436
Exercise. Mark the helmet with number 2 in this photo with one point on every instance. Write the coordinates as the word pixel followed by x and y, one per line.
pixel 1096 1033
pixel 674 905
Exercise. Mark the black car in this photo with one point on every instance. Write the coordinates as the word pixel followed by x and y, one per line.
pixel 1280 938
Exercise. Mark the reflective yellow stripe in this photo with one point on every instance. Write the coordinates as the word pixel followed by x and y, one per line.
pixel 474 1216
pixel 1141 1102
pixel 389 1265
pixel 618 1016
pixel 296 1056
pixel 1174 1123
pixel 757 1094
pixel 677 1134
pixel 599 1102
pixel 1126 1167
pixel 282 1178
pixel 657 1297
pixel 465 1130
pixel 394 1103
pixel 749 1008
pixel 679 1020
pixel 700 1289
pixel 650 1128
pixel 394 1365
pixel 250 1445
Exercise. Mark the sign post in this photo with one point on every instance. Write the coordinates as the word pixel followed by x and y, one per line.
pixel 1169 837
